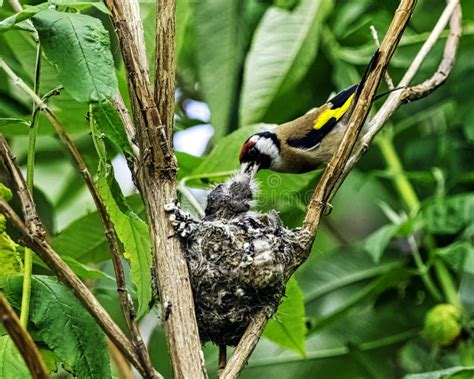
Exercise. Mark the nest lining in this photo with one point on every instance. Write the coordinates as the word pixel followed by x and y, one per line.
pixel 239 260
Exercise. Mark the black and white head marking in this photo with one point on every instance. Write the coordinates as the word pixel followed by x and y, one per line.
pixel 262 149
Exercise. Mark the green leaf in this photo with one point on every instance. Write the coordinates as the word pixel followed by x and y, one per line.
pixel 64 326
pixel 12 364
pixel 448 215
pixel 333 284
pixel 449 373
pixel 219 53
pixel 183 13
pixel 10 260
pixel 133 233
pixel 287 328
pixel 5 192
pixel 109 122
pixel 79 46
pixel 130 228
pixel 84 238
pixel 28 11
pixel 377 242
pixel 459 255
pixel 14 122
pixel 283 47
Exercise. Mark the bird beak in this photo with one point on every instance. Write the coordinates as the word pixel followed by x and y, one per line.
pixel 249 168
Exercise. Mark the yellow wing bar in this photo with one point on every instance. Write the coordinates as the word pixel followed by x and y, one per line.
pixel 337 113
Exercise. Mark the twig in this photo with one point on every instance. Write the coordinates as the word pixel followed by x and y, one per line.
pixel 119 105
pixel 222 358
pixel 30 171
pixel 444 69
pixel 386 75
pixel 156 176
pixel 34 236
pixel 123 366
pixel 22 340
pixel 112 239
pixel 245 347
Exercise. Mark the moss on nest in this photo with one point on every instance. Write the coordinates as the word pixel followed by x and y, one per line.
pixel 239 260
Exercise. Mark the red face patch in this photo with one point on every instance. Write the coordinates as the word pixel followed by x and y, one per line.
pixel 245 148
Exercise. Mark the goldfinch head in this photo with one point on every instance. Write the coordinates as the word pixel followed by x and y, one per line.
pixel 260 151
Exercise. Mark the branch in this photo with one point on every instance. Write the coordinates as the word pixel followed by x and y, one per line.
pixel 156 174
pixel 165 62
pixel 245 347
pixel 35 238
pixel 112 239
pixel 22 340
pixel 151 134
pixel 449 55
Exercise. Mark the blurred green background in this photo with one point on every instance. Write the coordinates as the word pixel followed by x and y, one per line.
pixel 362 295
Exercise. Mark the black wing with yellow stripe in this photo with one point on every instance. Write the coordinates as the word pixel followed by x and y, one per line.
pixel 326 120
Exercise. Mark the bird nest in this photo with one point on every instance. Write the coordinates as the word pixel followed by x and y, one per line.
pixel 239 260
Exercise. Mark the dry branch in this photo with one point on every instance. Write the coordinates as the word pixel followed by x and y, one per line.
pixel 35 238
pixel 156 175
pixel 22 340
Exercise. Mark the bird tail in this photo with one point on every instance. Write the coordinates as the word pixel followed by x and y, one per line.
pixel 370 67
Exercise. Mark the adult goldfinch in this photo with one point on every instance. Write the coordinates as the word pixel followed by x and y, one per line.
pixel 306 143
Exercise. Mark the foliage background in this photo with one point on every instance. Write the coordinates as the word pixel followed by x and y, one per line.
pixel 357 306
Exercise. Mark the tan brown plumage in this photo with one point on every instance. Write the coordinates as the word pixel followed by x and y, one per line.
pixel 306 143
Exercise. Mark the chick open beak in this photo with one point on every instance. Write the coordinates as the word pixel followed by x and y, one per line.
pixel 249 168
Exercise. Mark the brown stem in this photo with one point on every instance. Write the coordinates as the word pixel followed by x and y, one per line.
pixel 35 238
pixel 22 340
pixel 222 358
pixel 444 69
pixel 123 366
pixel 156 174
pixel 165 62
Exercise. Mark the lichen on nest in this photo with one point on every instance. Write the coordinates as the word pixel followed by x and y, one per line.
pixel 239 260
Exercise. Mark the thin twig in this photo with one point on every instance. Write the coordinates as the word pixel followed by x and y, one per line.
pixel 386 75
pixel 22 340
pixel 191 198
pixel 222 359
pixel 30 171
pixel 444 69
pixel 123 366
pixel 34 237
pixel 112 238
